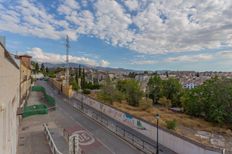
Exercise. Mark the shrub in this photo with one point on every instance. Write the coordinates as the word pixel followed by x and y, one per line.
pixel 171 124
pixel 165 102
pixel 75 85
pixel 86 91
pixel 144 105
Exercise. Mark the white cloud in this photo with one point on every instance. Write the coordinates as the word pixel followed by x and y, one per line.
pixel 192 58
pixel 104 63
pixel 40 56
pixel 29 19
pixel 132 4
pixel 143 62
pixel 148 27
pixel 68 6
pixel 225 54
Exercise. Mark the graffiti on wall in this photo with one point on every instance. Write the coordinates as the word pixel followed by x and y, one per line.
pixel 122 117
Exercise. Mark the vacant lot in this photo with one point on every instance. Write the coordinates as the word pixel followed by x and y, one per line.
pixel 194 128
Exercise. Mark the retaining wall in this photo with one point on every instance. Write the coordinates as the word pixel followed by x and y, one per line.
pixel 175 142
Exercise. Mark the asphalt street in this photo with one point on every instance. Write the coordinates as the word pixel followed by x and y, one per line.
pixel 107 138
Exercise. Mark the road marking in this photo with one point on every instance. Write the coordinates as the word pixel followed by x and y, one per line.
pixel 84 137
pixel 86 129
pixel 98 123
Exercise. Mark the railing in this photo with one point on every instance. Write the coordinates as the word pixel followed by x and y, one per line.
pixel 117 129
pixel 50 140
pixel 135 139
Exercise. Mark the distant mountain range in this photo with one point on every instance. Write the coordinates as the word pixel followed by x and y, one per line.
pixel 76 65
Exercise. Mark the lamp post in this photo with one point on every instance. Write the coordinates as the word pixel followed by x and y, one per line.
pixel 157 133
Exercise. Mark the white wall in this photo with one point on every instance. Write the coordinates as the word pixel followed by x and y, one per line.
pixel 169 140
pixel 9 101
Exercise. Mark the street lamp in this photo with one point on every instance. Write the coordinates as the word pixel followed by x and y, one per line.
pixel 157 134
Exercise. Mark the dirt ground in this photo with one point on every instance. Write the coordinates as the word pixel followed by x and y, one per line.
pixel 197 129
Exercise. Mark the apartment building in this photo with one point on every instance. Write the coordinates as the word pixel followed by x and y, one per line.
pixel 9 102
pixel 25 77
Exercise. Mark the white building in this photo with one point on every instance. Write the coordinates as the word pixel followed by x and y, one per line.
pixel 143 80
pixel 9 102
pixel 37 76
pixel 189 85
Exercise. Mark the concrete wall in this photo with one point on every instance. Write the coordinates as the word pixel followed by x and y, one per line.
pixel 66 90
pixel 9 102
pixel 170 140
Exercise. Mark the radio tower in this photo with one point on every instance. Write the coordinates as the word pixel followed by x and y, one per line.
pixel 67 61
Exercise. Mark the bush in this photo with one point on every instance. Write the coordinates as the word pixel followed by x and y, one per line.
pixel 86 91
pixel 171 124
pixel 105 97
pixel 144 105
pixel 165 102
pixel 75 85
pixel 91 86
pixel 51 74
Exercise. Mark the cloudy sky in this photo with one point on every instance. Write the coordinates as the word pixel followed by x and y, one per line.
pixel 135 34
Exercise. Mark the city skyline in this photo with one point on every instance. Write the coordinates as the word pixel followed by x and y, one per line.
pixel 132 34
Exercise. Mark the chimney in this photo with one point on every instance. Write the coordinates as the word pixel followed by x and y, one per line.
pixel 3 40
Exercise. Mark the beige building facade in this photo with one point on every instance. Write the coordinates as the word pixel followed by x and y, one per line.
pixel 25 78
pixel 9 102
pixel 62 87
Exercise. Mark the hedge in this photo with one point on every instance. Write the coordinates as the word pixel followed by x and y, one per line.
pixel 50 100
pixel 35 109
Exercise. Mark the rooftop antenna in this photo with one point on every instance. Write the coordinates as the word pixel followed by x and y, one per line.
pixel 67 60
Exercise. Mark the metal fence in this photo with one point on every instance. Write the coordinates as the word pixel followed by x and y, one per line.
pixel 115 128
pixel 50 140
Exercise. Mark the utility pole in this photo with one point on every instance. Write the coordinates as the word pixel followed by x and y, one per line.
pixel 67 61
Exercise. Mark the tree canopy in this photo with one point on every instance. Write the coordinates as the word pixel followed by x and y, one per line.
pixel 170 89
pixel 212 100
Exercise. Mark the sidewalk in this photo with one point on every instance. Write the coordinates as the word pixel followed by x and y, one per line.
pixel 31 134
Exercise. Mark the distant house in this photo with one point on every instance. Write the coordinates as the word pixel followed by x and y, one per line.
pixel 142 77
pixel 143 80
pixel 189 85
pixel 37 76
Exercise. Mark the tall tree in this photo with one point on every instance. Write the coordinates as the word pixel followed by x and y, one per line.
pixel 83 79
pixel 76 75
pixel 79 69
pixel 42 68
pixel 36 67
pixel 172 89
pixel 132 91
pixel 47 70
pixel 154 88
pixel 167 74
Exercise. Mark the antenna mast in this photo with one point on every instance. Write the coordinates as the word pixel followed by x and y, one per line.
pixel 67 61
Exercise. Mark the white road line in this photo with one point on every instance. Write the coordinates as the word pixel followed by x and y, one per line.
pixel 103 127
pixel 107 129
pixel 71 117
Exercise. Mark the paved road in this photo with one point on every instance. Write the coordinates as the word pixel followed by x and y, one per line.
pixel 162 149
pixel 104 136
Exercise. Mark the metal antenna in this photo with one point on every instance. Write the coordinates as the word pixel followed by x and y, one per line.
pixel 67 60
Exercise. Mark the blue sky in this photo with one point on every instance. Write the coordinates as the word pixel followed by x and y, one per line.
pixel 134 34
